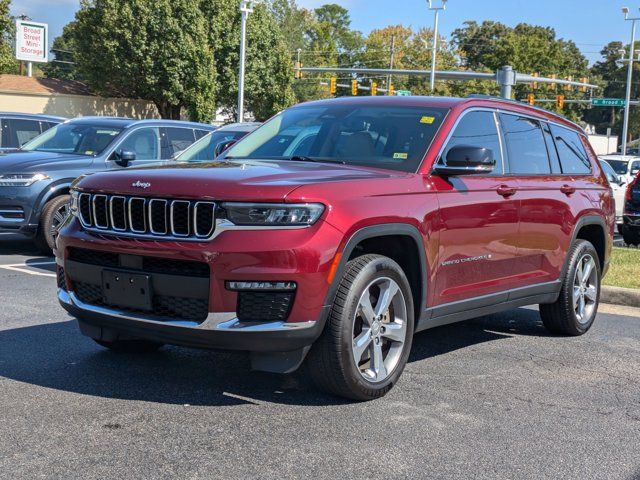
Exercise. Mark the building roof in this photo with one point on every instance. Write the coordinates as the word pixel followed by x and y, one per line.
pixel 42 85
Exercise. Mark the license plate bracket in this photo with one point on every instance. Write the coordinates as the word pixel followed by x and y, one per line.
pixel 129 290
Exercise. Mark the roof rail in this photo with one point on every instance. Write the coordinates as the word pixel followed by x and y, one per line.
pixel 511 100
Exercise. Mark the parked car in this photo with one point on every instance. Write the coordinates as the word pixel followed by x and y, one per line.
pixel 397 215
pixel 35 180
pixel 631 228
pixel 619 188
pixel 16 129
pixel 625 166
pixel 213 144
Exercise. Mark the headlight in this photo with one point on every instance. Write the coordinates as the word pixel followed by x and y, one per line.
pixel 21 179
pixel 273 214
pixel 73 206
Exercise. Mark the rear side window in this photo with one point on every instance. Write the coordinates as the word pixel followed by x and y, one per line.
pixel 201 133
pixel 16 133
pixel 526 148
pixel 176 140
pixel 573 156
pixel 478 129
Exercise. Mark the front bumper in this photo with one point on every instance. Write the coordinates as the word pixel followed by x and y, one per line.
pixel 219 330
pixel 17 213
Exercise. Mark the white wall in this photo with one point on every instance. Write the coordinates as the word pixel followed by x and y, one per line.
pixel 603 145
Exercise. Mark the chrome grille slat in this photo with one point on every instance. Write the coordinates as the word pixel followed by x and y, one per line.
pixel 149 218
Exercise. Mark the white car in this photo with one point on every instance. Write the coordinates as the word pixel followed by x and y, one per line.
pixel 626 166
pixel 619 187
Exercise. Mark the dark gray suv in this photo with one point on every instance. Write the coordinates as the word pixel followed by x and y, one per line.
pixel 35 180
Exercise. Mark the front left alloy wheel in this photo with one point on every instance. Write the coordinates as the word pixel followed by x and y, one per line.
pixel 54 214
pixel 366 342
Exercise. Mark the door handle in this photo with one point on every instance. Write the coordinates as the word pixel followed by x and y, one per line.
pixel 506 191
pixel 567 189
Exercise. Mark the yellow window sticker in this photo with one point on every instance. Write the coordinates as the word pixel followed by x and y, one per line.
pixel 427 120
pixel 89 152
pixel 400 155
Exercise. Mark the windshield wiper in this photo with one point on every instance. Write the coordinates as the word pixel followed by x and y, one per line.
pixel 304 158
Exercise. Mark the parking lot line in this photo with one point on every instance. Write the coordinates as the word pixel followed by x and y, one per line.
pixel 22 268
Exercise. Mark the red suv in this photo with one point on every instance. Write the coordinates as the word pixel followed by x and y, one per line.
pixel 340 228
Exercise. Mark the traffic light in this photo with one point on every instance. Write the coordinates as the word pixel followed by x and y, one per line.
pixel 354 87
pixel 560 101
pixel 298 72
pixel 569 87
pixel 531 99
pixel 534 85
pixel 553 86
pixel 333 85
pixel 374 89
pixel 584 87
pixel 392 90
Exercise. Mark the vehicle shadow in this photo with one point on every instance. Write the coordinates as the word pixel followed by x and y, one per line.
pixel 56 356
pixel 11 244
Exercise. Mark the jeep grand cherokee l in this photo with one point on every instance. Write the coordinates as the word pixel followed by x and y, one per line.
pixel 340 228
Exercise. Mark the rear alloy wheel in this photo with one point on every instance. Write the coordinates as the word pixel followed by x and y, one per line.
pixel 575 310
pixel 366 342
pixel 54 214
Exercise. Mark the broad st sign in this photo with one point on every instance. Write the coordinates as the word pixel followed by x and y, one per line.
pixel 31 41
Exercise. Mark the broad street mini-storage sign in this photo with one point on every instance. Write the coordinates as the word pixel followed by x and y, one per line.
pixel 31 41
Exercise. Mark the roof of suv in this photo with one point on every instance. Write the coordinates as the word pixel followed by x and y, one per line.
pixel 123 122
pixel 32 116
pixel 451 102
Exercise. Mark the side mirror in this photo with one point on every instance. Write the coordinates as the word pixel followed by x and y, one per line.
pixel 124 157
pixel 467 160
pixel 222 147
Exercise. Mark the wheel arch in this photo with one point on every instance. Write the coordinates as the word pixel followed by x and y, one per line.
pixel 373 239
pixel 592 228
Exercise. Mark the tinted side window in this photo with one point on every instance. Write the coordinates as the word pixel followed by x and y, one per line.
pixel 526 149
pixel 144 142
pixel 47 125
pixel 635 167
pixel 18 132
pixel 176 140
pixel 478 129
pixel 573 156
pixel 201 133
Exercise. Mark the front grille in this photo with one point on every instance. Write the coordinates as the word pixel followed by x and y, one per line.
pixel 148 264
pixel 147 217
pixel 264 306
pixel 167 306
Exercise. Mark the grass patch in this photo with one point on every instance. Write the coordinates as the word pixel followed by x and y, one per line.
pixel 625 268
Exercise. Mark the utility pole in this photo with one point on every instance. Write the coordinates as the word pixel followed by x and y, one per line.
pixel 393 48
pixel 435 39
pixel 246 7
pixel 627 106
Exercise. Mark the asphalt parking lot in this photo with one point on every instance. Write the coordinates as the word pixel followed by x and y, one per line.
pixel 495 397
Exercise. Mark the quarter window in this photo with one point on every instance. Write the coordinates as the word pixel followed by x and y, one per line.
pixel 176 140
pixel 526 148
pixel 573 156
pixel 478 129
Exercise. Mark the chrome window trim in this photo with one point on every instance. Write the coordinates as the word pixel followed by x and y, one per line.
pixel 195 219
pixel 113 224
pixel 144 204
pixel 106 206
pixel 173 230
pixel 149 212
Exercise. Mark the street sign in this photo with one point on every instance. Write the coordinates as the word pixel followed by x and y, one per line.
pixel 31 41
pixel 608 102
pixel 403 93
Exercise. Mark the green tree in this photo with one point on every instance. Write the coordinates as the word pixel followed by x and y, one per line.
pixel 154 50
pixel 8 62
pixel 64 47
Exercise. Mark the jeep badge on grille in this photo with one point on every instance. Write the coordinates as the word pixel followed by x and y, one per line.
pixel 139 184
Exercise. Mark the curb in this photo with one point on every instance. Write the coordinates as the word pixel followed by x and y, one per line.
pixel 629 297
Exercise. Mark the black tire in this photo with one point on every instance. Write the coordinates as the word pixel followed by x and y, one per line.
pixel 561 317
pixel 130 346
pixel 331 361
pixel 631 236
pixel 49 222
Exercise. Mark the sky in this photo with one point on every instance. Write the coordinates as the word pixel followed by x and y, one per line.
pixel 591 24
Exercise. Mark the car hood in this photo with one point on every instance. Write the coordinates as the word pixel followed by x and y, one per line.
pixel 225 180
pixel 20 162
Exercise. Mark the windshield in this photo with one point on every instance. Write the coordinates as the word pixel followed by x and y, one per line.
pixel 204 149
pixel 74 138
pixel 620 166
pixel 382 136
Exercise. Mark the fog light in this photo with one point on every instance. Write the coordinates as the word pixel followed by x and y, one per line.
pixel 262 286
